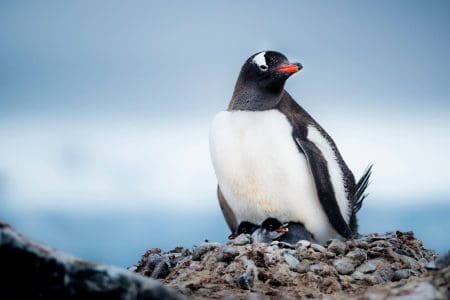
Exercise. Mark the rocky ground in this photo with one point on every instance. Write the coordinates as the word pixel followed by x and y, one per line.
pixel 388 266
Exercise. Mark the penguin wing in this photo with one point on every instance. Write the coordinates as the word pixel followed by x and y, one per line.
pixel 319 169
pixel 230 218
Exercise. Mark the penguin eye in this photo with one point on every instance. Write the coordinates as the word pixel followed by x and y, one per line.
pixel 263 68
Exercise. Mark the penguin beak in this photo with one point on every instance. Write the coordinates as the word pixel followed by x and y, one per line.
pixel 290 69
pixel 282 230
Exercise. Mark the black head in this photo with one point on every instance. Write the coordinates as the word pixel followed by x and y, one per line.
pixel 272 224
pixel 262 79
pixel 243 228
pixel 269 70
pixel 246 227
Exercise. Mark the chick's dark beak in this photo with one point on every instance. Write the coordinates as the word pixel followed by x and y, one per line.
pixel 290 68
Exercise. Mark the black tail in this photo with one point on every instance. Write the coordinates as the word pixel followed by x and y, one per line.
pixel 361 187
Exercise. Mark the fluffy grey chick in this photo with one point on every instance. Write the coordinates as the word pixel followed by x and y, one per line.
pixel 269 230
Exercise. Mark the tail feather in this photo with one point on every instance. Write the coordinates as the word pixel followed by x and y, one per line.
pixel 361 187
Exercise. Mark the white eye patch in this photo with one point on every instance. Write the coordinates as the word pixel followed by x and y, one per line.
pixel 260 61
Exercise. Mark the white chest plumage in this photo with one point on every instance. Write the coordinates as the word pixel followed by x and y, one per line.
pixel 261 172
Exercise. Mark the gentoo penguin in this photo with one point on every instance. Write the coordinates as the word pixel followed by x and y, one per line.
pixel 244 228
pixel 270 230
pixel 272 159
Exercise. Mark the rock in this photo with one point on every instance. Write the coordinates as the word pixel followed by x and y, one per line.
pixel 337 247
pixel 357 256
pixel 201 250
pixel 385 275
pixel 402 274
pixel 441 262
pixel 30 270
pixel 316 268
pixel 242 239
pixel 318 248
pixel 303 244
pixel 302 267
pixel 247 271
pixel 291 261
pixel 246 280
pixel 344 265
pixel 357 275
pixel 160 271
pixel 367 267
pixel 227 254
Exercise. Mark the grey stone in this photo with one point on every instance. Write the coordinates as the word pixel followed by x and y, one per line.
pixel 357 255
pixel 226 254
pixel 385 274
pixel 161 271
pixel 302 267
pixel 439 263
pixel 254 296
pixel 242 239
pixel 337 246
pixel 204 248
pixel 344 265
pixel 154 260
pixel 402 274
pixel 330 254
pixel 291 261
pixel 357 275
pixel 51 274
pixel 367 267
pixel 363 244
pixel 316 268
pixel 303 244
pixel 318 248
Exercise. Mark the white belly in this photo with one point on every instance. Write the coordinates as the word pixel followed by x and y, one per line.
pixel 261 172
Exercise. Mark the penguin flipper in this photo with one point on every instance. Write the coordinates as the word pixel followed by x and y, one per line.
pixel 230 218
pixel 318 166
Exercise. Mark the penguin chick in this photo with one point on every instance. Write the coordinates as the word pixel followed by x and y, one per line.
pixel 243 228
pixel 269 230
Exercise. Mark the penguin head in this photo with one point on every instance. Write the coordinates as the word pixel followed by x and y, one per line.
pixel 273 228
pixel 268 70
pixel 244 228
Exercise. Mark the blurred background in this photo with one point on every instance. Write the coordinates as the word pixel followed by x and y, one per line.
pixel 105 108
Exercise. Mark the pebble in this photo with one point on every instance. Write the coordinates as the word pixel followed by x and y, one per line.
pixel 161 271
pixel 367 267
pixel 292 262
pixel 316 268
pixel 344 265
pixel 337 246
pixel 201 250
pixel 385 274
pixel 246 280
pixel 402 274
pixel 302 267
pixel 357 275
pixel 330 254
pixel 154 260
pixel 303 244
pixel 242 239
pixel 357 255
pixel 226 254
pixel 319 248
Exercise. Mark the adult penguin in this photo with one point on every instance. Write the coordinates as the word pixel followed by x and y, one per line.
pixel 273 160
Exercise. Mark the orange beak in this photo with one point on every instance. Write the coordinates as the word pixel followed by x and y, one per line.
pixel 290 68
pixel 282 230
